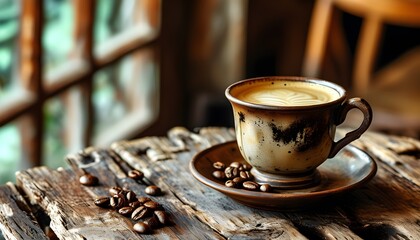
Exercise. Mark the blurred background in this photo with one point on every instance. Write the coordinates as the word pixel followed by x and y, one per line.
pixel 77 73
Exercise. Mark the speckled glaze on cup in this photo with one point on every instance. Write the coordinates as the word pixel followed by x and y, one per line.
pixel 286 142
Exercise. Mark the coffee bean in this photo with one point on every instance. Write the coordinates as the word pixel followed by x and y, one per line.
pixel 142 200
pixel 135 204
pixel 117 201
pixel 219 165
pixel 125 211
pixel 131 196
pixel 142 227
pixel 153 222
pixel 238 180
pixel 246 167
pixel 152 205
pixel 231 172
pixel 219 175
pixel 230 183
pixel 250 185
pixel 162 217
pixel 152 190
pixel 140 212
pixel 135 174
pixel 235 164
pixel 114 190
pixel 102 202
pixel 245 175
pixel 88 180
pixel 265 187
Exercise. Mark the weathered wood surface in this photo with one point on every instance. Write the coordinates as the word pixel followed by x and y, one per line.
pixel 387 207
pixel 18 222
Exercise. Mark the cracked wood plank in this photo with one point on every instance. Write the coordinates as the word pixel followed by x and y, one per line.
pixel 401 154
pixel 16 218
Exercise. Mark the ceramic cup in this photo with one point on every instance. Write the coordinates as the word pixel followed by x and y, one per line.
pixel 285 126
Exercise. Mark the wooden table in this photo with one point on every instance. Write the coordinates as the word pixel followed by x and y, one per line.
pixel 47 203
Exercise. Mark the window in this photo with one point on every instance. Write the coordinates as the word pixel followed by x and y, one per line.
pixel 74 73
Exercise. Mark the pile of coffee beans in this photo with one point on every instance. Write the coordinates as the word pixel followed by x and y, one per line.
pixel 238 175
pixel 147 214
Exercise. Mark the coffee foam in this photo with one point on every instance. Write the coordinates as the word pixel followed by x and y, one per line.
pixel 287 93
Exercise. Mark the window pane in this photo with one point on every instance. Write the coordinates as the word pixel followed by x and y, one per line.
pixel 64 125
pixel 113 17
pixel 10 152
pixel 9 27
pixel 125 96
pixel 57 36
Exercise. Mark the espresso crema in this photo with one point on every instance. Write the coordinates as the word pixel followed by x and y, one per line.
pixel 287 93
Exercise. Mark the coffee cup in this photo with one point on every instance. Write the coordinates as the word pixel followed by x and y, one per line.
pixel 285 126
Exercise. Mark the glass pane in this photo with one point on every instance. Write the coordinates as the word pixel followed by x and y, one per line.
pixel 57 36
pixel 64 125
pixel 113 17
pixel 131 86
pixel 10 152
pixel 9 28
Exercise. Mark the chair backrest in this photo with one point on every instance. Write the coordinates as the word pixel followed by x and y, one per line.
pixel 374 13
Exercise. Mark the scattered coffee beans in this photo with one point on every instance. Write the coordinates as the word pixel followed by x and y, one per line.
pixel 265 187
pixel 134 205
pixel 125 202
pixel 88 180
pixel 250 185
pixel 126 211
pixel 230 183
pixel 153 222
pixel 102 202
pixel 140 212
pixel 238 175
pixel 114 190
pixel 162 217
pixel 245 175
pixel 142 200
pixel 131 196
pixel 219 174
pixel 117 201
pixel 219 165
pixel 231 172
pixel 236 165
pixel 135 174
pixel 142 227
pixel 238 180
pixel 152 190
pixel 152 205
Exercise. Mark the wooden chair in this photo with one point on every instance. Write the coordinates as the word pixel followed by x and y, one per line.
pixel 394 90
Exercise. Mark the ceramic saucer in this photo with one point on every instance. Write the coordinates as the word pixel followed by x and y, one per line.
pixel 348 170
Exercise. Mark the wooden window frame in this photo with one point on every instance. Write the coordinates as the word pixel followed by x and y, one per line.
pixel 37 87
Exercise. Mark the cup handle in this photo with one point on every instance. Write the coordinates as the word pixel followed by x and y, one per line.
pixel 349 104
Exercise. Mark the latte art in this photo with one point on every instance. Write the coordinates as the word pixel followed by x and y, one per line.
pixel 288 94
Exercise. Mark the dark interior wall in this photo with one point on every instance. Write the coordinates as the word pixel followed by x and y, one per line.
pixel 276 36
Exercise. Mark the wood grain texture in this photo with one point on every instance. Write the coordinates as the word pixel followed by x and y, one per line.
pixel 16 218
pixel 385 208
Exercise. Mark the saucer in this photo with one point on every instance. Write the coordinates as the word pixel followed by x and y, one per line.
pixel 348 170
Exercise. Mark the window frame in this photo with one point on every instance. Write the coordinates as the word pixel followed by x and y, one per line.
pixel 27 104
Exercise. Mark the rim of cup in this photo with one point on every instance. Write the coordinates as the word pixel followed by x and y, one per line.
pixel 340 90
